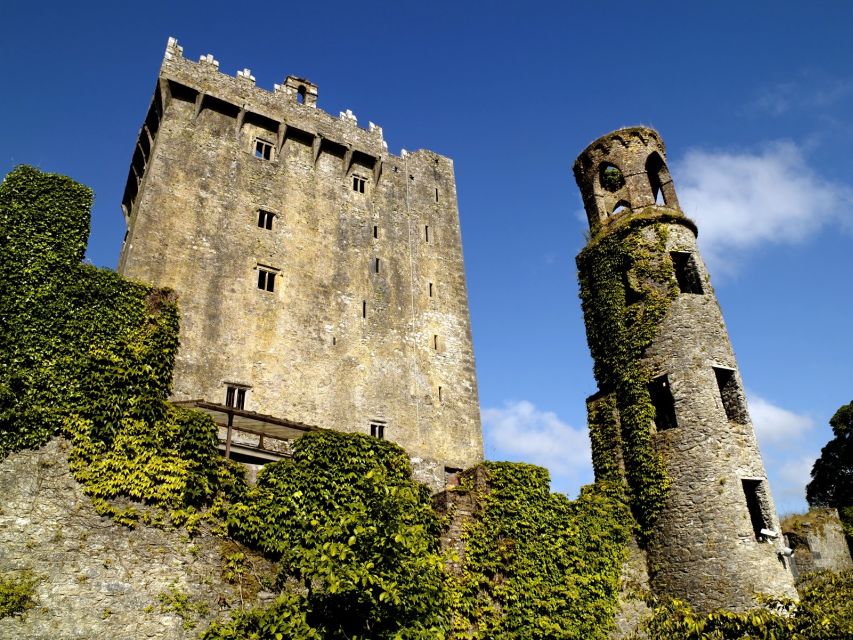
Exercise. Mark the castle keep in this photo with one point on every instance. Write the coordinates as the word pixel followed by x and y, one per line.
pixel 320 278
pixel 671 408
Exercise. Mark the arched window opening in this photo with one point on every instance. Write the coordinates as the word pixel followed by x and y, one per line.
pixel 300 94
pixel 610 177
pixel 620 207
pixel 659 179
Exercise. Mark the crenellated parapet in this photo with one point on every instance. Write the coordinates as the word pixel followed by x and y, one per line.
pixel 288 111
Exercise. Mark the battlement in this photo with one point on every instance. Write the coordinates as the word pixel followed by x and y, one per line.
pixel 294 102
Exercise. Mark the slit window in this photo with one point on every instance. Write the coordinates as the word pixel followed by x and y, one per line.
pixel 376 265
pixel 266 279
pixel 758 506
pixel 235 397
pixel 439 394
pixel 375 231
pixel 265 219
pixel 364 308
pixel 436 194
pixel 426 232
pixel 663 402
pixel 358 184
pixel 631 294
pixel 686 272
pixel 430 289
pixel 435 342
pixel 263 149
pixel 731 396
pixel 377 430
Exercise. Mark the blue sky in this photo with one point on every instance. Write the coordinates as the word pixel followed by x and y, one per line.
pixel 755 102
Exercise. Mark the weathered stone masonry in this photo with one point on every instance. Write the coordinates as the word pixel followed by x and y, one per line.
pixel 707 546
pixel 317 274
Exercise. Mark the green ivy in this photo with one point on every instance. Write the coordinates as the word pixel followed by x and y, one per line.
pixel 17 593
pixel 89 355
pixel 355 538
pixel 824 612
pixel 536 564
pixel 627 286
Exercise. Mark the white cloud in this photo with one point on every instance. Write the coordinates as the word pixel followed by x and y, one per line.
pixel 741 200
pixel 775 425
pixel 523 433
pixel 789 445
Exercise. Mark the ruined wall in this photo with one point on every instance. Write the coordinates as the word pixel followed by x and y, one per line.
pixel 818 541
pixel 99 580
pixel 705 544
pixel 340 342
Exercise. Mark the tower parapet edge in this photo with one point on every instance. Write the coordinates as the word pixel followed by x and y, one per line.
pixel 670 417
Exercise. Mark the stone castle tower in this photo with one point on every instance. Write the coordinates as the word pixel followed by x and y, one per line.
pixel 320 278
pixel 671 411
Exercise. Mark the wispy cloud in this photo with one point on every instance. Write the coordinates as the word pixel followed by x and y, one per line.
pixel 775 425
pixel 802 93
pixel 521 432
pixel 742 200
pixel 789 448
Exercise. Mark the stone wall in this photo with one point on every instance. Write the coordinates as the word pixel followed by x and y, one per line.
pixel 818 541
pixel 368 320
pixel 99 580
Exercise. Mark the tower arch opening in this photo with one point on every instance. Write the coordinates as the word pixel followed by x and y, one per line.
pixel 610 177
pixel 660 181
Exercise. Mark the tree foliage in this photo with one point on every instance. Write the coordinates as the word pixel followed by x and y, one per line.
pixel 832 474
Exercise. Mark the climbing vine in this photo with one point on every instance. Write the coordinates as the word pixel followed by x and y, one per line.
pixel 536 564
pixel 824 612
pixel 356 542
pixel 627 286
pixel 89 355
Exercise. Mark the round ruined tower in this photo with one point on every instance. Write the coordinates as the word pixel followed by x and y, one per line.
pixel 670 417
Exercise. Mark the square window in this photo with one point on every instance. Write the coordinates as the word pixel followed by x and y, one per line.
pixel 377 430
pixel 266 279
pixel 265 219
pixel 263 149
pixel 686 273
pixel 235 397
pixel 358 184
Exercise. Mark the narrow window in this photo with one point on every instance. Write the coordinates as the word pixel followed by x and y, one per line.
pixel 436 194
pixel 731 396
pixel 426 232
pixel 265 219
pixel 241 399
pixel 263 149
pixel 663 402
pixel 266 280
pixel 435 342
pixel 300 94
pixel 686 272
pixel 229 396
pixel 430 289
pixel 631 294
pixel 376 265
pixel 377 430
pixel 364 308
pixel 334 341
pixel 758 506
pixel 235 397
pixel 375 231
pixel 439 394
pixel 358 184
